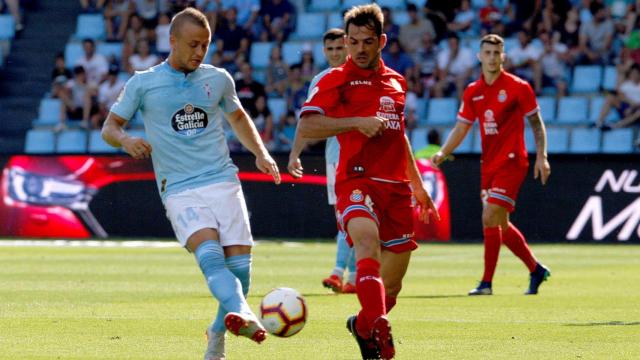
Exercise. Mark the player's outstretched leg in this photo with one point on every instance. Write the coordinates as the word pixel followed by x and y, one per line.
pixel 215 345
pixel 540 274
pixel 368 348
pixel 334 281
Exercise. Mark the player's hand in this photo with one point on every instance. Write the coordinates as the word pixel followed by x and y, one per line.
pixel 295 167
pixel 267 165
pixel 371 126
pixel 137 147
pixel 542 169
pixel 438 158
pixel 425 204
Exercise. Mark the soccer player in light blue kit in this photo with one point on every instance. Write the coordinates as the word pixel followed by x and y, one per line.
pixel 182 103
pixel 336 53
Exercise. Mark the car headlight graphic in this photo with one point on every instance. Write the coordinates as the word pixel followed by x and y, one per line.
pixel 48 190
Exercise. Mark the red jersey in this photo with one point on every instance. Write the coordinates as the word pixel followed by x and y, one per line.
pixel 349 91
pixel 501 108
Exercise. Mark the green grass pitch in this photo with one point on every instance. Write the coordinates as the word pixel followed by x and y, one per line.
pixel 152 303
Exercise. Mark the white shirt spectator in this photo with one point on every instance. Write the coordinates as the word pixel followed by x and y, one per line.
pixel 552 64
pixel 162 38
pixel 463 61
pixel 108 93
pixel 138 63
pixel 96 67
pixel 519 55
pixel 631 91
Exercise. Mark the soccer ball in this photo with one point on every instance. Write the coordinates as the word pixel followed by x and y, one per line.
pixel 283 312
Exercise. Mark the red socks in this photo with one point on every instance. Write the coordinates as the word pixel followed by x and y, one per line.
pixel 492 241
pixel 371 294
pixel 515 241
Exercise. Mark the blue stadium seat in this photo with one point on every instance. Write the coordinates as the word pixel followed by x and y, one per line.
pixel 310 26
pixel 400 17
pixel 466 146
pixel 421 112
pixel 259 76
pixel 72 52
pixel 324 5
pixel 573 110
pixel 618 141
pixel 278 107
pixel 529 140
pixel 318 54
pixel 392 4
pixel 108 49
pixel 417 3
pixel 90 26
pixel 72 141
pixel 585 141
pixel 39 141
pixel 610 78
pixel 260 54
pixel 98 145
pixel 547 108
pixel 419 138
pixel 586 79
pixel 48 112
pixel 557 140
pixel 442 111
pixel 292 52
pixel 595 106
pixel 334 20
pixel 348 4
pixel 7 27
pixel 474 132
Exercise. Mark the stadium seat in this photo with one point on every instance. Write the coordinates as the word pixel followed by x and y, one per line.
pixel 618 141
pixel 418 3
pixel 324 5
pixel 310 26
pixel 334 20
pixel 595 106
pixel 586 79
pixel 419 138
pixel 72 52
pixel 109 49
pixel 98 145
pixel 260 54
pixel 557 140
pixel 318 54
pixel 7 27
pixel 442 111
pixel 348 4
pixel 474 133
pixel 400 17
pixel 585 141
pixel 466 146
pixel 278 108
pixel 610 78
pixel 392 4
pixel 90 26
pixel 292 52
pixel 547 108
pixel 72 141
pixel 573 110
pixel 529 140
pixel 48 112
pixel 39 141
pixel 421 112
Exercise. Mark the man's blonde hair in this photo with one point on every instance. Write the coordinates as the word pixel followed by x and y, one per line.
pixel 190 15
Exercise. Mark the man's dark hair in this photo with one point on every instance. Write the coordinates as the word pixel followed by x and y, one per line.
pixel 369 16
pixel 332 34
pixel 89 40
pixel 433 137
pixel 190 15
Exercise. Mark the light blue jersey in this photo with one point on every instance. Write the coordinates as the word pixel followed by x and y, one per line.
pixel 332 147
pixel 183 117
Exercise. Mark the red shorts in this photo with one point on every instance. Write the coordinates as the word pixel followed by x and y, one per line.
pixel 501 186
pixel 388 204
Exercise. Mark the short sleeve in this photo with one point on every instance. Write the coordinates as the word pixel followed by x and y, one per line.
pixel 229 101
pixel 322 98
pixel 466 113
pixel 129 99
pixel 527 102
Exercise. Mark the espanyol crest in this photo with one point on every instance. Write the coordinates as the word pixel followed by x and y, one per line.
pixel 356 196
pixel 502 95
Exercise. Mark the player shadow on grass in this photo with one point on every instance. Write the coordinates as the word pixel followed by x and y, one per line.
pixel 605 323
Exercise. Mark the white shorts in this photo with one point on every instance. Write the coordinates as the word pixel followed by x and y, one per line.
pixel 331 183
pixel 218 206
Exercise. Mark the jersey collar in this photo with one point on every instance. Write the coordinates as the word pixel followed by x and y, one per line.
pixel 498 79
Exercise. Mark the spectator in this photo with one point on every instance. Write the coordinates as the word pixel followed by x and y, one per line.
pixel 59 76
pixel 296 92
pixel 455 65
pixel 433 145
pixel 278 20
pixel 626 100
pixel 523 15
pixel 77 100
pixel 596 37
pixel 463 21
pixel 163 46
pixel 263 120
pixel 90 6
pixel 411 33
pixel 95 65
pixel 107 95
pixel 570 34
pixel 248 89
pixel 277 73
pixel 231 38
pixel 389 27
pixel 523 60
pixel 135 33
pixel 553 63
pixel 247 13
pixel 426 63
pixel 212 10
pixel 287 131
pixel 14 10
pixel 148 11
pixel 397 59
pixel 116 16
pixel 490 16
pixel 440 13
pixel 142 58
pixel 307 65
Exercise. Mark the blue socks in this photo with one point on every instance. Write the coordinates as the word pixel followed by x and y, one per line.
pixel 240 266
pixel 223 284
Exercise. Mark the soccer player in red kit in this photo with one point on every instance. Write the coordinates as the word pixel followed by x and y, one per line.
pixel 362 102
pixel 501 101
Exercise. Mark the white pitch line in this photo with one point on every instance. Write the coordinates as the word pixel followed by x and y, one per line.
pixel 90 243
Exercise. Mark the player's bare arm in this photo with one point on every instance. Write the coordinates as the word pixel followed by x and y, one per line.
pixel 321 127
pixel 453 141
pixel 113 133
pixel 249 137
pixel 541 168
pixel 422 196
